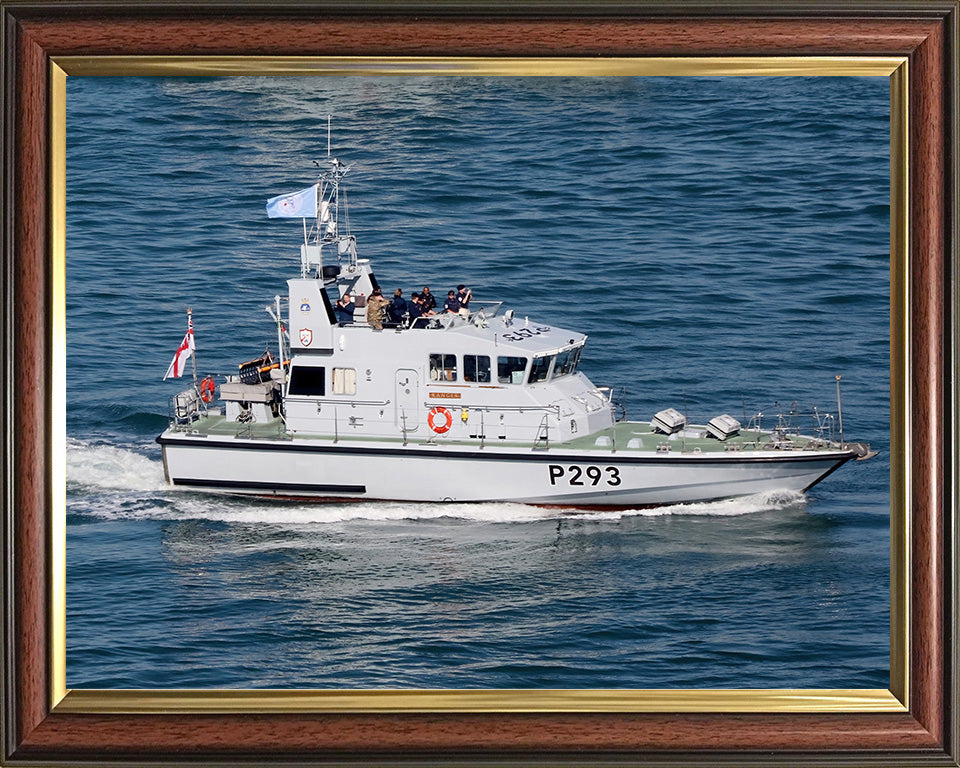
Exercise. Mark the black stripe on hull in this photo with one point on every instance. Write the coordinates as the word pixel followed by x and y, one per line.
pixel 827 474
pixel 245 485
pixel 774 457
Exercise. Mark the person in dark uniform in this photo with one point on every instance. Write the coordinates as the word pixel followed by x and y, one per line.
pixel 427 299
pixel 451 305
pixel 464 295
pixel 345 306
pixel 397 307
pixel 415 309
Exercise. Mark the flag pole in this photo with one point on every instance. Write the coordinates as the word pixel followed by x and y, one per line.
pixel 839 410
pixel 193 357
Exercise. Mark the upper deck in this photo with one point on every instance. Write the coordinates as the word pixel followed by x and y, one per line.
pixel 519 335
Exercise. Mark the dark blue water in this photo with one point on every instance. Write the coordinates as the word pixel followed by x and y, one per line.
pixel 723 241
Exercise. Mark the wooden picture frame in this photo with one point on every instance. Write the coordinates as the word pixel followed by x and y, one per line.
pixel 916 723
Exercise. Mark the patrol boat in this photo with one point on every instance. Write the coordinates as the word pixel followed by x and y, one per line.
pixel 477 405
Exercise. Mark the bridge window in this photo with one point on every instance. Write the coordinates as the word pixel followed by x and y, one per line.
pixel 567 362
pixel 476 368
pixel 510 369
pixel 344 381
pixel 306 380
pixel 443 367
pixel 540 370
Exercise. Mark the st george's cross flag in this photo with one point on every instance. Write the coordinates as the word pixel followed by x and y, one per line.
pixel 302 204
pixel 186 348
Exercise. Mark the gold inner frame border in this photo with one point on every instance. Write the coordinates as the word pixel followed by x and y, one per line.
pixel 893 700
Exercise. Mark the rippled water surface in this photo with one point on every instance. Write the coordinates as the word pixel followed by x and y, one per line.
pixel 724 243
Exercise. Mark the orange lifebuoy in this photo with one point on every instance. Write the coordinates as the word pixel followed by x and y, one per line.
pixel 440 419
pixel 208 388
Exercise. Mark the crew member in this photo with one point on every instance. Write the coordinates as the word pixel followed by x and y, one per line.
pixel 397 308
pixel 345 307
pixel 464 295
pixel 427 299
pixel 375 305
pixel 451 305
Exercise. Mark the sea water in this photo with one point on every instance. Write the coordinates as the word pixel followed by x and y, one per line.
pixel 724 242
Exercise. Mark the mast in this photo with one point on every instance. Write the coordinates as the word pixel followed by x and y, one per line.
pixel 276 301
pixel 326 234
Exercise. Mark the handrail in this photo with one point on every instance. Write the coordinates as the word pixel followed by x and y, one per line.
pixel 554 409
pixel 326 401
pixel 489 308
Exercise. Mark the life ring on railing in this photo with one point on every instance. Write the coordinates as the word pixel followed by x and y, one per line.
pixel 440 419
pixel 208 388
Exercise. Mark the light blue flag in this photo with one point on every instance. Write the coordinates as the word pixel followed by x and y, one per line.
pixel 302 204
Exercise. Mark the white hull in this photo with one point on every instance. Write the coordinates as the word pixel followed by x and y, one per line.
pixel 302 468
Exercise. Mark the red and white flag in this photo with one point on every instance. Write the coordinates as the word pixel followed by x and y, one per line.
pixel 175 371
